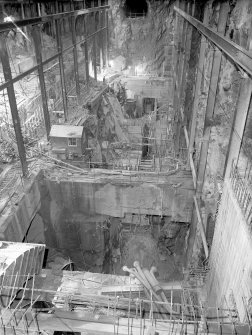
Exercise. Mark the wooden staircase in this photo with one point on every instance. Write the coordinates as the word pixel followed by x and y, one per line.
pixel 146 165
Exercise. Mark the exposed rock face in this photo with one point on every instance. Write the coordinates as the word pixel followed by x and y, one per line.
pixel 238 26
pixel 141 248
pixel 145 42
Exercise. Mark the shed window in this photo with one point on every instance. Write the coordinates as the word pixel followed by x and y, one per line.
pixel 72 142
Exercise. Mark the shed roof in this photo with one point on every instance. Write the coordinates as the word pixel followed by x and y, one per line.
pixel 66 131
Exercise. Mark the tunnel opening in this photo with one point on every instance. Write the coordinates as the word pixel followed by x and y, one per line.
pixel 134 9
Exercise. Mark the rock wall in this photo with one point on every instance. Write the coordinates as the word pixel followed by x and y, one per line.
pixel 145 42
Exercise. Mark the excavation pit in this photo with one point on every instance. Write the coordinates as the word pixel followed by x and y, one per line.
pixel 100 226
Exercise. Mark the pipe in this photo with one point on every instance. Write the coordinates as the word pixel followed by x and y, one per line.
pixel 138 276
pixel 153 281
pixel 165 308
pixel 158 289
pixel 140 271
pixel 153 270
pixel 133 272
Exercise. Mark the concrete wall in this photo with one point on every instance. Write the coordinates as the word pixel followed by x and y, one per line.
pixel 68 212
pixel 109 196
pixel 230 276
pixel 15 221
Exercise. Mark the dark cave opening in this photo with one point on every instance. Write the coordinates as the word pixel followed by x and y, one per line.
pixel 134 8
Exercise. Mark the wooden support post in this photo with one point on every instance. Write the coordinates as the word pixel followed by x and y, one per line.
pixel 55 10
pixel 188 41
pixel 94 48
pixel 175 50
pixel 13 104
pixel 177 64
pixel 56 6
pixel 61 66
pixel 107 39
pixel 23 17
pixel 101 55
pixel 201 227
pixel 63 19
pixel 75 56
pixel 86 51
pixel 180 69
pixel 71 5
pixel 224 10
pixel 2 11
pixel 203 46
pixel 39 10
pixel 101 42
pixel 33 9
pixel 182 43
pixel 238 125
pixel 38 52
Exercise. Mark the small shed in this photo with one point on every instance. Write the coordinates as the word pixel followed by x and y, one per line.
pixel 67 141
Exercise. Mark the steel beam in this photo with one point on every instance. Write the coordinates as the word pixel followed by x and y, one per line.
pixel 38 51
pixel 238 54
pixel 6 26
pixel 61 66
pixel 13 104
